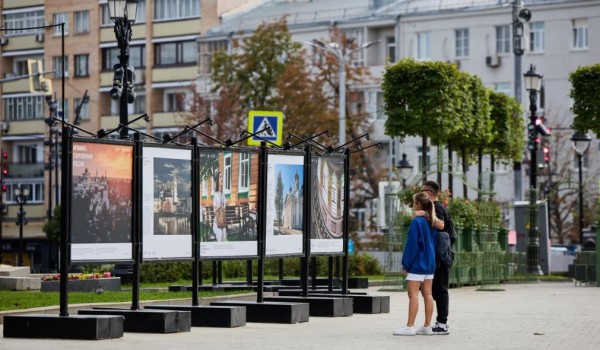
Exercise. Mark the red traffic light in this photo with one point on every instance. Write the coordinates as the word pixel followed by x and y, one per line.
pixel 4 188
pixel 4 154
pixel 5 171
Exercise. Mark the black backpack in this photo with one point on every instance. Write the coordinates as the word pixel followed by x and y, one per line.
pixel 444 255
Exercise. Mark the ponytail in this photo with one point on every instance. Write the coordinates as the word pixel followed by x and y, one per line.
pixel 427 204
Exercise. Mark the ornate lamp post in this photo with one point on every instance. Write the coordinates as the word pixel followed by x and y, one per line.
pixel 581 143
pixel 123 14
pixel 533 83
pixel 405 169
pixel 342 55
pixel 21 196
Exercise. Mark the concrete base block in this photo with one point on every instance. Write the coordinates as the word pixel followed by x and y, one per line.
pixel 148 321
pixel 20 283
pixel 320 306
pixel 112 284
pixel 14 271
pixel 210 316
pixel 271 312
pixel 63 327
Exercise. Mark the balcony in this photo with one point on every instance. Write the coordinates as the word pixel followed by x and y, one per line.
pixel 16 170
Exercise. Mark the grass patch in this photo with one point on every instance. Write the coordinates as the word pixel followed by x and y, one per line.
pixel 18 300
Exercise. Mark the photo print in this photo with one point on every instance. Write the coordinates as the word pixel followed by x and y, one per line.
pixel 228 196
pixel 101 195
pixel 172 196
pixel 289 199
pixel 328 197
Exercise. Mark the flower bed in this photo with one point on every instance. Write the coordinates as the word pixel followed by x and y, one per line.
pixel 85 282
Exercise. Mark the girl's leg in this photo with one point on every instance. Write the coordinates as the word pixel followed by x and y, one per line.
pixel 428 299
pixel 413 301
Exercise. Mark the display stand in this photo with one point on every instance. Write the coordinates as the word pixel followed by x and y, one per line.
pixel 327 306
pixel 261 310
pixel 136 318
pixel 202 315
pixel 63 325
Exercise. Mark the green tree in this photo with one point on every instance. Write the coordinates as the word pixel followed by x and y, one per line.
pixel 425 99
pixel 52 227
pixel 585 92
pixel 279 200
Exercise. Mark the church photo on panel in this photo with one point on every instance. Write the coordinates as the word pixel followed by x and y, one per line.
pixel 101 193
pixel 172 196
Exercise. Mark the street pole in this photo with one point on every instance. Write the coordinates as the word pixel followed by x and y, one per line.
pixel 517 30
pixel 342 106
pixel 580 164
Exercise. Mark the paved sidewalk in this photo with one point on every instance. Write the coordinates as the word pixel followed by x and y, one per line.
pixel 523 316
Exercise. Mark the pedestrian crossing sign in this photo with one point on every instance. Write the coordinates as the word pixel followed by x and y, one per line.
pixel 259 120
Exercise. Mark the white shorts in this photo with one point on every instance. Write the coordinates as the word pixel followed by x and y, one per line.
pixel 418 278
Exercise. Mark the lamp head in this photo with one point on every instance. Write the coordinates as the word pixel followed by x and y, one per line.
pixel 533 80
pixel 122 10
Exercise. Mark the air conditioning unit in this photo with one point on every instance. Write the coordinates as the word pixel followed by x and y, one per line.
pixel 3 41
pixel 39 37
pixel 492 61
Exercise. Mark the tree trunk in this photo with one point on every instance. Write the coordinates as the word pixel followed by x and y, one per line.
pixel 450 169
pixel 440 165
pixel 479 172
pixel 425 165
pixel 463 152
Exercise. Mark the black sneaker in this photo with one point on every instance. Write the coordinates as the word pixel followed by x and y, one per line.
pixel 440 330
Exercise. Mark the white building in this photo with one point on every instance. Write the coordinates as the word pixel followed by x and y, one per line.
pixel 475 34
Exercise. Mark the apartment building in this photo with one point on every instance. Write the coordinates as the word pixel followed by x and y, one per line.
pixel 163 50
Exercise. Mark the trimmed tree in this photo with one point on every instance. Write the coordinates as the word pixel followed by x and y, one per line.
pixel 585 92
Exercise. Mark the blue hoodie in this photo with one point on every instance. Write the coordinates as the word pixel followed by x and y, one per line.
pixel 418 256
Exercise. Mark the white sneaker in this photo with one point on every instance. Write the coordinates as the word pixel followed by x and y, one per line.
pixel 425 330
pixel 405 331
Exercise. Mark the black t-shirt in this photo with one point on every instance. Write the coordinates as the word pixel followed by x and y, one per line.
pixel 441 212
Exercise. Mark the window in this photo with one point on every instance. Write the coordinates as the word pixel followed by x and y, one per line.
pixel 27 154
pixel 137 107
pixel 244 183
pixel 176 53
pixel 207 50
pixel 424 46
pixel 356 36
pixel 105 14
pixel 536 37
pixel 420 155
pixel 82 21
pixel 17 22
pixel 462 42
pixel 176 9
pixel 84 111
pixel 137 57
pixel 503 39
pixel 580 33
pixel 24 108
pixel 61 18
pixel 504 88
pixel 81 65
pixel 174 101
pixel 227 173
pixel 21 67
pixel 36 194
pixel 391 48
pixel 57 65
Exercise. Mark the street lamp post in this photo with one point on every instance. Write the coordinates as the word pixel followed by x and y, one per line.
pixel 533 83
pixel 405 169
pixel 342 56
pixel 581 143
pixel 123 14
pixel 21 196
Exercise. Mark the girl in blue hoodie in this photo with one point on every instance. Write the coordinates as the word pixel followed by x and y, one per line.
pixel 418 261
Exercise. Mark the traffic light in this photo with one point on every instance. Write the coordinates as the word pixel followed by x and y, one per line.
pixel 117 89
pixel 541 128
pixel 531 137
pixel 37 82
pixel 546 154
